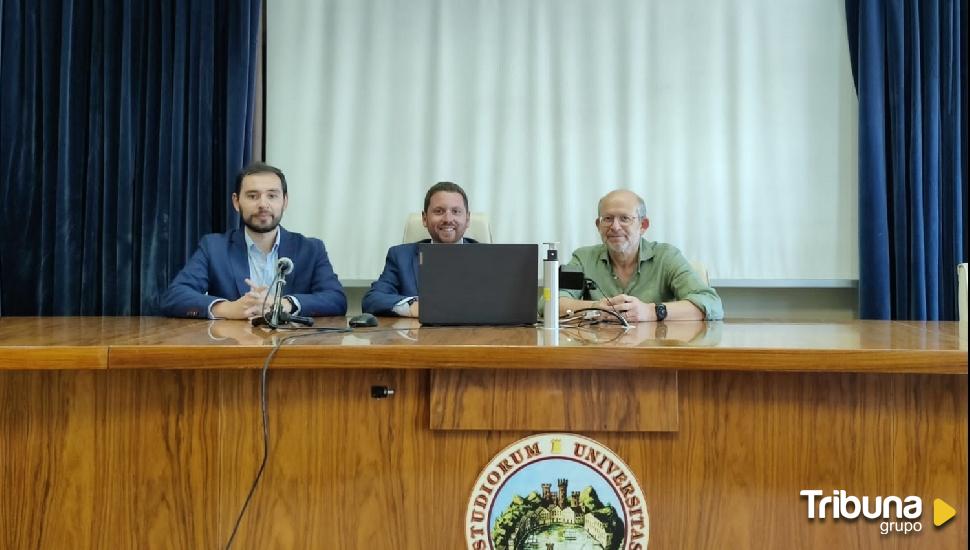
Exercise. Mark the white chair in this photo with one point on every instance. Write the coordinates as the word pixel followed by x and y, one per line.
pixel 962 292
pixel 701 271
pixel 479 228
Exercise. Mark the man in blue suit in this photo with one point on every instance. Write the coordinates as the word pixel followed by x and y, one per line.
pixel 446 218
pixel 229 276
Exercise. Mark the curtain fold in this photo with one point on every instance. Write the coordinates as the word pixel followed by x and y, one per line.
pixel 911 82
pixel 122 125
pixel 736 122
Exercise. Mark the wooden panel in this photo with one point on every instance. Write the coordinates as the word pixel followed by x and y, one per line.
pixel 48 460
pixel 930 451
pixel 163 459
pixel 545 400
pixel 54 358
pixel 347 471
pixel 757 440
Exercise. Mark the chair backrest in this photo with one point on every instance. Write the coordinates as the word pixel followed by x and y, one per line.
pixel 962 291
pixel 479 228
pixel 701 271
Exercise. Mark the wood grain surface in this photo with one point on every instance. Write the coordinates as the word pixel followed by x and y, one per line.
pixel 572 401
pixel 163 459
pixel 154 342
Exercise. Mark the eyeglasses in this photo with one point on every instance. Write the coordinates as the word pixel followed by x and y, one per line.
pixel 625 221
pixel 456 212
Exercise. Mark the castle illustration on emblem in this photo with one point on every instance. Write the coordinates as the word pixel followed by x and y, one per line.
pixel 551 520
pixel 556 491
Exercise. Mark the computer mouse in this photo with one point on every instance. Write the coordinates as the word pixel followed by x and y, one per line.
pixel 363 320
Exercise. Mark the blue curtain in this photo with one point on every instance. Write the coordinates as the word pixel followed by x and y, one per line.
pixel 122 125
pixel 910 76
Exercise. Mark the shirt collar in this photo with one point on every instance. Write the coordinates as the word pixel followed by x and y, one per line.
pixel 646 251
pixel 251 244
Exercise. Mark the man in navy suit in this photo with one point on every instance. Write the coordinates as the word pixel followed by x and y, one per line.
pixel 446 218
pixel 229 276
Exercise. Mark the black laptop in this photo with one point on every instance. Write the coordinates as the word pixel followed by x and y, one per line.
pixel 478 284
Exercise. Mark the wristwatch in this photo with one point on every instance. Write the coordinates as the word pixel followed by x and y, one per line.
pixel 661 312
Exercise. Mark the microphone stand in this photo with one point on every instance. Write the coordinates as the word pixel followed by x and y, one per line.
pixel 277 316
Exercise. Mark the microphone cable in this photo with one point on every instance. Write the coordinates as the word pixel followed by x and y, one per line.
pixel 616 313
pixel 277 289
pixel 264 401
pixel 588 286
pixel 571 316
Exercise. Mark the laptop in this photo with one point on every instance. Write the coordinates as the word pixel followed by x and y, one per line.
pixel 478 284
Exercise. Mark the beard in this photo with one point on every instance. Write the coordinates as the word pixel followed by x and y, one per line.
pixel 257 227
pixel 623 247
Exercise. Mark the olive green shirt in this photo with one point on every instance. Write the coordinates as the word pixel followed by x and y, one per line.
pixel 664 275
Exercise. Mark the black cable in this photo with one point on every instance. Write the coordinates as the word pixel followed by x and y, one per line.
pixel 264 400
pixel 614 313
pixel 590 285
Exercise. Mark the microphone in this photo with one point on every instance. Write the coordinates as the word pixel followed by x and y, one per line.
pixel 284 266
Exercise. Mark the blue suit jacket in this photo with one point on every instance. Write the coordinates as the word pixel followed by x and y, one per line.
pixel 219 267
pixel 398 281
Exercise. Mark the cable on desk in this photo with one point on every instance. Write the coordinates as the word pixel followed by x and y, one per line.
pixel 264 400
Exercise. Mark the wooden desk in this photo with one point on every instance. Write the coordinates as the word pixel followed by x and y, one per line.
pixel 144 432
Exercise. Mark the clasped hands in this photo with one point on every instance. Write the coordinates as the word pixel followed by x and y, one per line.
pixel 630 308
pixel 254 303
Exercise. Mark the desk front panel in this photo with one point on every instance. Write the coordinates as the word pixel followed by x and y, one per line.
pixel 164 458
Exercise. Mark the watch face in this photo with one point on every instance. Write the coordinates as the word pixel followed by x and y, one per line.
pixel 661 312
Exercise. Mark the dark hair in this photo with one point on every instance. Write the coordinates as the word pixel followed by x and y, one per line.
pixel 259 168
pixel 447 187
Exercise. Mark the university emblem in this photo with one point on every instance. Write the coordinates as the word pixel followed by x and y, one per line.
pixel 557 491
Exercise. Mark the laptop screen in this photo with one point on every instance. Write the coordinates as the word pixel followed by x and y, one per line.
pixel 478 284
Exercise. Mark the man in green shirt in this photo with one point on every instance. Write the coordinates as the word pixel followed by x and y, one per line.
pixel 639 279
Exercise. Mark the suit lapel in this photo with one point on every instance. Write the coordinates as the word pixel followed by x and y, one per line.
pixel 239 258
pixel 286 250
pixel 414 267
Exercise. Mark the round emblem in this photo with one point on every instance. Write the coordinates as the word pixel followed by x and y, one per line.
pixel 557 491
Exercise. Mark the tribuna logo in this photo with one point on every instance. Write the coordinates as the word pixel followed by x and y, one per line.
pixel 897 514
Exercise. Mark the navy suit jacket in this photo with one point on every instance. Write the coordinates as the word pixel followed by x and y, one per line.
pixel 219 267
pixel 398 281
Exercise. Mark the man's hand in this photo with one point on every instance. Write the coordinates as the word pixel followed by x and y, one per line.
pixel 250 304
pixel 631 308
pixel 413 309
